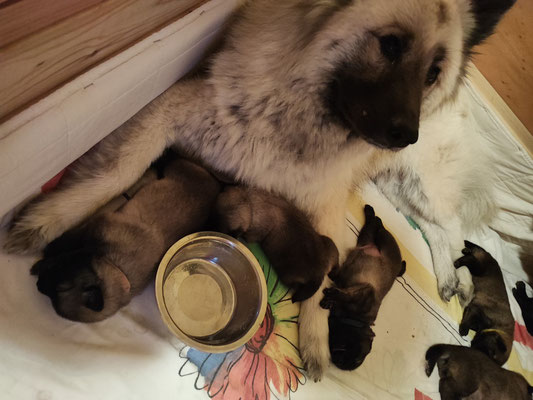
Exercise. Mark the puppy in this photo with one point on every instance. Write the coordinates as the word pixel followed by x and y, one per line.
pixel 526 305
pixel 93 270
pixel 489 313
pixel 300 256
pixel 360 286
pixel 466 373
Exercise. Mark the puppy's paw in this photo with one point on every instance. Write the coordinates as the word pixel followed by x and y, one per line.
pixel 465 288
pixel 326 303
pixel 234 212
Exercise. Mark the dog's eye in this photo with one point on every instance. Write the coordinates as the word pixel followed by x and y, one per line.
pixel 432 75
pixel 391 47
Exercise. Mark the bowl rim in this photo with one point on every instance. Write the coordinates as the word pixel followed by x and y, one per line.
pixel 239 246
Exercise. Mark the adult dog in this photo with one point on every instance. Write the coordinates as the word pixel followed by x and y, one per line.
pixel 304 99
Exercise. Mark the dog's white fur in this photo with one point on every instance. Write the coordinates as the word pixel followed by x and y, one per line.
pixel 257 116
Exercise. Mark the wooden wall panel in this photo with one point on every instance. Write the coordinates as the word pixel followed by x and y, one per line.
pixel 36 64
pixel 19 18
pixel 506 61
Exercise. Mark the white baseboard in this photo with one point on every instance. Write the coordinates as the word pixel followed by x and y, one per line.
pixel 46 137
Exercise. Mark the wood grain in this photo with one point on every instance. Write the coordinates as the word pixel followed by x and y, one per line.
pixel 24 17
pixel 35 65
pixel 506 61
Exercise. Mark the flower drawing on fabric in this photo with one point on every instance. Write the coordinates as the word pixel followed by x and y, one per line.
pixel 268 365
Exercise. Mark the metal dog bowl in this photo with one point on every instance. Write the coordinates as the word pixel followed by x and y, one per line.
pixel 211 292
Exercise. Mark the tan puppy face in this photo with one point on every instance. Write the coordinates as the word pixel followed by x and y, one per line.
pixel 81 284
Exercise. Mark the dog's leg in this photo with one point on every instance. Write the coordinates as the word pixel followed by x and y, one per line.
pixel 465 288
pixel 447 281
pixel 405 190
pixel 107 169
pixel 314 334
pixel 313 320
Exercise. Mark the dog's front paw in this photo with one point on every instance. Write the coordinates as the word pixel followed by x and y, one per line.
pixel 27 235
pixel 465 288
pixel 314 368
pixel 314 334
pixel 447 286
pixel 24 241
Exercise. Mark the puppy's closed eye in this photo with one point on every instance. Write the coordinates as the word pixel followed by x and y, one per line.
pixel 93 298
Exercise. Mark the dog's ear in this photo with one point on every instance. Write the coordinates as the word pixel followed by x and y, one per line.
pixel 487 14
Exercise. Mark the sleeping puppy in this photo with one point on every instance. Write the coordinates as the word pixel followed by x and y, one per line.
pixel 526 305
pixel 488 313
pixel 93 270
pixel 467 373
pixel 300 256
pixel 360 286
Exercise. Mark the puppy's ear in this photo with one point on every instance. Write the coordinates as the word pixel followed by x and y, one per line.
pixel 369 212
pixel 305 291
pixel 46 284
pixel 404 267
pixel 494 345
pixel 362 297
pixel 93 298
pixel 116 283
pixel 40 266
pixel 334 272
pixel 432 356
pixel 487 14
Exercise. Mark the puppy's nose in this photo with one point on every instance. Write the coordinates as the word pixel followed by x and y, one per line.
pixel 402 134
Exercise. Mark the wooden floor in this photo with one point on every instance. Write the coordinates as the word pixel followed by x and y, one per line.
pixel 506 60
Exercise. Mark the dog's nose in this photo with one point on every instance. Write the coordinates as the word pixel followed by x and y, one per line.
pixel 402 135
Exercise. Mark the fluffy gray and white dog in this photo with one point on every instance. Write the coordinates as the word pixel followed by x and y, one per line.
pixel 307 98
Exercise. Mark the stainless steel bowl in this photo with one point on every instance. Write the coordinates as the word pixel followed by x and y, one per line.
pixel 211 292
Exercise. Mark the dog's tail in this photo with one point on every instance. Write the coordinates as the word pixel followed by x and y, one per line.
pixel 434 354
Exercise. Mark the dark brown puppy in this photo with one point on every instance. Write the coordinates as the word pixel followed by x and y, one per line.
pixel 93 270
pixel 526 305
pixel 489 313
pixel 467 373
pixel 360 286
pixel 300 256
